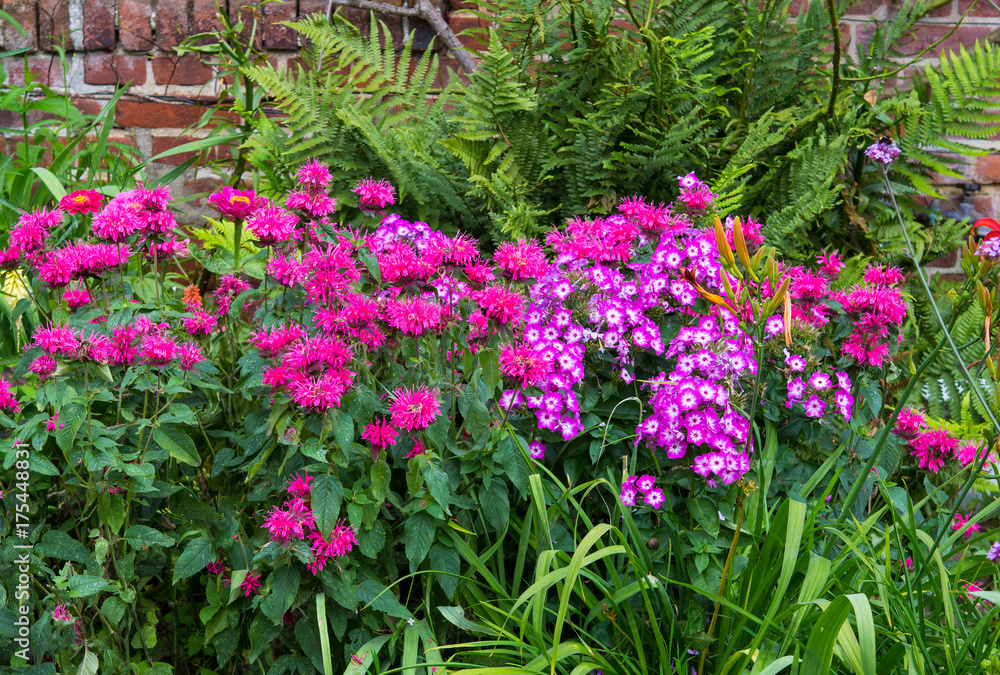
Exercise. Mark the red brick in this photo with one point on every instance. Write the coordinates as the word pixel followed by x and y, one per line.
pixel 983 205
pixel 87 106
pixel 98 24
pixel 945 261
pixel 46 69
pixel 863 8
pixel 187 70
pixel 130 114
pixel 204 15
pixel 795 6
pixel 275 35
pixel 470 31
pixel 53 24
pixel 983 8
pixel 23 12
pixel 307 7
pixel 928 34
pixel 171 23
pixel 944 10
pixel 135 31
pixel 114 69
pixel 988 170
pixel 164 143
pixel 9 119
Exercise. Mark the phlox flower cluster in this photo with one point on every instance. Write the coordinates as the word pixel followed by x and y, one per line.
pixel 823 390
pixel 644 485
pixel 989 249
pixel 294 521
pixel 692 415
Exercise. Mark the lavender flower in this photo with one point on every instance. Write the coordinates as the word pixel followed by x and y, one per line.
pixel 883 151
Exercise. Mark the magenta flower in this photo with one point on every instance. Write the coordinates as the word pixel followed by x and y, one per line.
pixel 500 304
pixel 339 544
pixel 272 225
pixel 380 434
pixel 796 363
pixel 374 195
pixel 883 151
pixel 159 351
pixel 76 297
pixel 313 175
pixel 191 355
pixel 57 340
pixel 960 522
pixel 299 485
pixel 522 260
pixel 536 450
pixel 43 367
pixel 237 205
pixel 524 364
pixel 82 201
pixel 32 229
pixel 655 497
pixel 414 409
pixel 814 406
pixel 200 323
pixel 62 615
pixel 250 583
pixel 932 448
pixel 819 381
pixel 7 400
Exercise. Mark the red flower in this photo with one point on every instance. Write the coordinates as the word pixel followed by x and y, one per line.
pixel 993 225
pixel 82 201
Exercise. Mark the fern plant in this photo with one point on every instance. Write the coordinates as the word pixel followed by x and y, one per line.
pixel 578 104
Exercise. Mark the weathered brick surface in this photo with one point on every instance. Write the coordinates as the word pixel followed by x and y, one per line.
pixel 277 36
pixel 99 24
pixel 24 12
pixel 114 69
pixel 53 24
pixel 171 23
pixel 135 28
pixel 146 114
pixel 46 69
pixel 185 70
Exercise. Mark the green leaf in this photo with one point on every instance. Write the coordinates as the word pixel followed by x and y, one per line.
pixel 438 484
pixel 818 654
pixel 59 545
pixel 489 361
pixel 381 599
pixel 419 534
pixel 496 503
pixel 705 512
pixel 326 494
pixel 178 443
pixel 85 586
pixel 70 418
pixel 53 184
pixel 89 664
pixel 112 510
pixel 193 559
pixel 284 583
pixel 447 565
pixel 141 536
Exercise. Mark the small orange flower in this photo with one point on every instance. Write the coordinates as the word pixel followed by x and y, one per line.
pixel 192 296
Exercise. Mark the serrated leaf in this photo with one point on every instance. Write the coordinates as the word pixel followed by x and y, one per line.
pixel 419 534
pixel 495 502
pixel 141 536
pixel 381 599
pixel 447 565
pixel 196 555
pixel 178 443
pixel 326 494
pixel 85 586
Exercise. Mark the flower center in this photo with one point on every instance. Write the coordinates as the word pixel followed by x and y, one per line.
pixel 239 198
pixel 80 199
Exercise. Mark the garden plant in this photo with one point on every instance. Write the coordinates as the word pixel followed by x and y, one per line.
pixel 470 411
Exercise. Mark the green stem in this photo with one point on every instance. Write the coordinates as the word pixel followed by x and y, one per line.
pixel 937 312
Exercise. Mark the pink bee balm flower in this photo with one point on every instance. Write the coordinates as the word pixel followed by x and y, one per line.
pixel 299 485
pixel 887 275
pixel 235 204
pixel 655 497
pixel 215 566
pixel 814 407
pixel 414 409
pixel 57 340
pixel 524 364
pixel 272 225
pixel 501 304
pixel 830 263
pixel 380 434
pixel 960 522
pixel 339 544
pixel 373 195
pixel 43 366
pixel 32 229
pixel 414 315
pixel 931 448
pixel 313 174
pixel 76 297
pixel 62 615
pixel 159 351
pixel 7 400
pixel 969 589
pixel 418 449
pixel 191 355
pixel 909 422
pixel 966 452
pixel 82 201
pixel 522 260
pixel 250 583
pixel 200 323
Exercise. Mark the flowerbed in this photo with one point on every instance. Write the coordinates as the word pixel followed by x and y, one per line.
pixel 297 441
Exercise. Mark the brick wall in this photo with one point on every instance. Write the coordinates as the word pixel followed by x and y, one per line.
pixel 114 42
